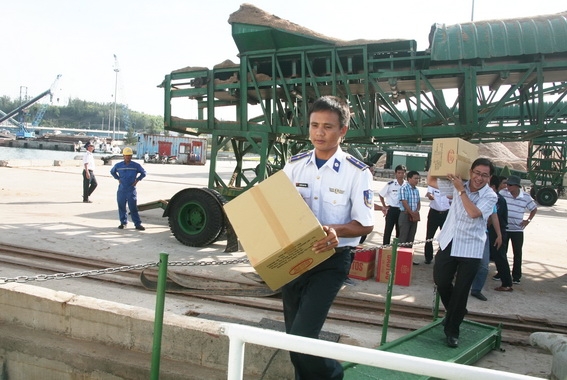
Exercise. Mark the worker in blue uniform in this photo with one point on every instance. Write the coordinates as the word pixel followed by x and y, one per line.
pixel 128 173
pixel 338 189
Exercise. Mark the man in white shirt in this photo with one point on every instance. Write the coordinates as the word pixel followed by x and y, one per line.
pixel 89 179
pixel 518 202
pixel 391 203
pixel 438 210
pixel 461 243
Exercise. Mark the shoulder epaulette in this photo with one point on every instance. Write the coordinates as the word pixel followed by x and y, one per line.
pixel 356 162
pixel 300 156
pixel 391 182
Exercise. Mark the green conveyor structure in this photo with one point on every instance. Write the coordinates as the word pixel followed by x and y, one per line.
pixel 429 342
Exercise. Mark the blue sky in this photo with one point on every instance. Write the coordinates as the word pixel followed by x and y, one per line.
pixel 78 38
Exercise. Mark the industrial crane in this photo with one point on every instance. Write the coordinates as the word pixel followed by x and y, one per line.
pixel 24 133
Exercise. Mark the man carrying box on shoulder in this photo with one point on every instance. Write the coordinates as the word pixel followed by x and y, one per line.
pixel 338 189
pixel 461 242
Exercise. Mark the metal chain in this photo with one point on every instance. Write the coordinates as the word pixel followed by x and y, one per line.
pixel 206 263
pixel 61 276
pixel 127 268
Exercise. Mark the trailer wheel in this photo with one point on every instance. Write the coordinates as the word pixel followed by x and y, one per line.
pixel 196 217
pixel 546 196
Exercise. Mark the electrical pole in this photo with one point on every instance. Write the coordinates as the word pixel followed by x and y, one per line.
pixel 116 70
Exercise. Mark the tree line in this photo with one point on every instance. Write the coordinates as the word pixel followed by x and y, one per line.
pixel 86 115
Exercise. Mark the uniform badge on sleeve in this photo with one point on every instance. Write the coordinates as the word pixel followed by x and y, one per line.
pixel 369 198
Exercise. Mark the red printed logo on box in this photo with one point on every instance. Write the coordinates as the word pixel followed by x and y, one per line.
pixel 301 267
pixel 451 156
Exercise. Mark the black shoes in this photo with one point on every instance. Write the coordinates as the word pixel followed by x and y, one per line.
pixel 87 201
pixel 138 227
pixel 517 282
pixel 428 262
pixel 479 295
pixel 452 342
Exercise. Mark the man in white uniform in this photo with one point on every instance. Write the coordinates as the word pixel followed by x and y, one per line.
pixel 338 189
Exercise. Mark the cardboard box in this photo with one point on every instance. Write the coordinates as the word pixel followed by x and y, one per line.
pixel 404 265
pixel 452 155
pixel 277 230
pixel 362 267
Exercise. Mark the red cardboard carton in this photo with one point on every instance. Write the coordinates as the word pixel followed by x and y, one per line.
pixel 404 264
pixel 362 267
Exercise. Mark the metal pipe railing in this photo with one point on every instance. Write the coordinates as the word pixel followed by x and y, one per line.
pixel 241 334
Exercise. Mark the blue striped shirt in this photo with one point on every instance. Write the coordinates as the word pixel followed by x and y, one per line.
pixel 468 234
pixel 409 194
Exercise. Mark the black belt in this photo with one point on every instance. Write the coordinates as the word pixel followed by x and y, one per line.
pixel 440 212
pixel 342 249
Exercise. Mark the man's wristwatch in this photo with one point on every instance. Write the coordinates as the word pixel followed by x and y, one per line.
pixel 529 220
pixel 462 192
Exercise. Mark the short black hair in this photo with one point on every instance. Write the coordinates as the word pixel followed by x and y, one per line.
pixel 411 173
pixel 401 167
pixel 483 162
pixel 334 104
pixel 495 181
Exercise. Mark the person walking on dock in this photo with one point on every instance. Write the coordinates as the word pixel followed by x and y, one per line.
pixel 89 179
pixel 338 189
pixel 128 173
pixel 461 242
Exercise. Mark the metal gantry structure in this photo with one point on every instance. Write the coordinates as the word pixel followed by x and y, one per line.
pixel 487 81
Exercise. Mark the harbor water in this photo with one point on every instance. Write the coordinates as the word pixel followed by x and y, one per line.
pixel 8 153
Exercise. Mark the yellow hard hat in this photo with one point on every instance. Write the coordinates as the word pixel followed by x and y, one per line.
pixel 127 151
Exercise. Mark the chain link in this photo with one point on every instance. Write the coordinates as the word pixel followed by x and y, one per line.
pixel 127 268
pixel 62 276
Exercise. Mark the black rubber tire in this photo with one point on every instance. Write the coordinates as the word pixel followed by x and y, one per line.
pixel 222 202
pixel 196 217
pixel 546 196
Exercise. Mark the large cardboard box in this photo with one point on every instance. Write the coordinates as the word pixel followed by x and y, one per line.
pixel 404 265
pixel 452 155
pixel 277 230
pixel 362 267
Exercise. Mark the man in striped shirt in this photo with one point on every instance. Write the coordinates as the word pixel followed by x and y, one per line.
pixel 518 202
pixel 461 242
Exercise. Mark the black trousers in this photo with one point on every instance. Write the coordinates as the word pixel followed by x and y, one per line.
pixel 500 258
pixel 391 221
pixel 517 239
pixel 454 296
pixel 306 303
pixel 435 220
pixel 89 184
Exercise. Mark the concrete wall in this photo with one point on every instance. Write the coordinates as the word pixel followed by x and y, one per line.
pixel 58 335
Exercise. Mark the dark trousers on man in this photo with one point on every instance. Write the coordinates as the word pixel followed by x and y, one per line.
pixel 454 296
pixel 517 239
pixel 392 217
pixel 89 185
pixel 306 302
pixel 498 255
pixel 435 220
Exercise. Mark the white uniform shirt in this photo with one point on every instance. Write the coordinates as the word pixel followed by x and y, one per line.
pixel 337 193
pixel 88 159
pixel 440 202
pixel 390 193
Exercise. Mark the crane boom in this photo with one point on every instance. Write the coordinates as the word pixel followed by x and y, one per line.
pixel 22 107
